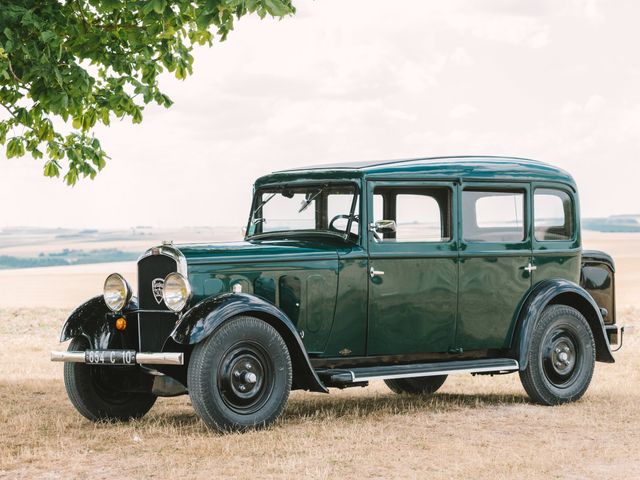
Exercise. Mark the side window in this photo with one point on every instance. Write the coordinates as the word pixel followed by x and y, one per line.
pixel 493 216
pixel 421 214
pixel 553 215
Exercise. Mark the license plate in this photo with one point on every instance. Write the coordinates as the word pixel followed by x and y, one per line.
pixel 110 357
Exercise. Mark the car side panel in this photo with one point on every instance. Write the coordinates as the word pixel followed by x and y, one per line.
pixel 304 289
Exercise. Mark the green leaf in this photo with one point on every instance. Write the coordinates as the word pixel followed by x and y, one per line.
pixel 137 115
pixel 71 178
pixel 15 148
pixel 51 169
pixel 47 36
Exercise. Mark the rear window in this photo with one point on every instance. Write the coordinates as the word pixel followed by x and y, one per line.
pixel 553 215
pixel 493 216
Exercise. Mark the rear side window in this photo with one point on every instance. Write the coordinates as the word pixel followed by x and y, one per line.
pixel 493 216
pixel 421 214
pixel 553 215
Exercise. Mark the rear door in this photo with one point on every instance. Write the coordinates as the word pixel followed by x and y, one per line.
pixel 413 272
pixel 495 262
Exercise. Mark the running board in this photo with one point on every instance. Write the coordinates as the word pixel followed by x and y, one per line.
pixel 387 372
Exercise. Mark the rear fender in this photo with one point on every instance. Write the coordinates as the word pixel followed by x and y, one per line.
pixel 204 318
pixel 564 292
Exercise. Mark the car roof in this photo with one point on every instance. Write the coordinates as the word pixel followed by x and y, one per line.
pixel 467 168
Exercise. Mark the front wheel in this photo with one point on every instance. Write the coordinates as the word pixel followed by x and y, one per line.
pixel 100 393
pixel 240 377
pixel 561 357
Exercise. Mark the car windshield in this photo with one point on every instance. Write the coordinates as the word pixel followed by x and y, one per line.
pixel 310 208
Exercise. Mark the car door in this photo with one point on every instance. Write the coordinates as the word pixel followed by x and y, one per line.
pixel 413 272
pixel 495 263
pixel 556 233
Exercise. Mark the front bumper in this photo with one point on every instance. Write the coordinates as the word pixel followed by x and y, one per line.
pixel 162 358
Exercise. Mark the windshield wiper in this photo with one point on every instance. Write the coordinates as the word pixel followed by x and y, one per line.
pixel 262 204
pixel 308 201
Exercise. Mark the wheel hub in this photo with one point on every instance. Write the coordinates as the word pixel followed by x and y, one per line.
pixel 559 358
pixel 243 378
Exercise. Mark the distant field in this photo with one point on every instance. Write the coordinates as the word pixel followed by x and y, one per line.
pixel 35 247
pixel 477 427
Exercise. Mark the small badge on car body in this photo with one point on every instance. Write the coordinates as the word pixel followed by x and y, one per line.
pixel 158 286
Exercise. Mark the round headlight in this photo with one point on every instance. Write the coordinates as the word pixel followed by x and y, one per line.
pixel 117 292
pixel 176 292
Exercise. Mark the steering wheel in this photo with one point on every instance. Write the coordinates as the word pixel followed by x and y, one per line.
pixel 340 217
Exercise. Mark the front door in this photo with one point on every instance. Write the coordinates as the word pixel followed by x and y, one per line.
pixel 495 263
pixel 413 271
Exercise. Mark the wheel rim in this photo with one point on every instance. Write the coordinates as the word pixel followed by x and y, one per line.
pixel 245 377
pixel 560 358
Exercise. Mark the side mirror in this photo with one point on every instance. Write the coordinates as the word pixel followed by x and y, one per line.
pixel 384 226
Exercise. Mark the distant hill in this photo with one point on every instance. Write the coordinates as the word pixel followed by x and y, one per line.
pixel 67 257
pixel 614 223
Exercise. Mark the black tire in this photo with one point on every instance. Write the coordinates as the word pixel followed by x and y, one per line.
pixel 416 386
pixel 92 390
pixel 561 357
pixel 240 377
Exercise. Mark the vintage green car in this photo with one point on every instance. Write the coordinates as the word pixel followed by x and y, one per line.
pixel 403 271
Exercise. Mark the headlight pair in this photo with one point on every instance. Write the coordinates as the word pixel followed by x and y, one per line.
pixel 176 292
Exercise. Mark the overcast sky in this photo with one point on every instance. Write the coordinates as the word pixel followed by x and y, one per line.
pixel 357 80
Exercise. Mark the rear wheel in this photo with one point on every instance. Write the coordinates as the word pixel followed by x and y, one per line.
pixel 416 386
pixel 561 357
pixel 99 393
pixel 240 377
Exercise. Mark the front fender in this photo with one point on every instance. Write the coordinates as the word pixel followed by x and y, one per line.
pixel 559 291
pixel 89 320
pixel 204 318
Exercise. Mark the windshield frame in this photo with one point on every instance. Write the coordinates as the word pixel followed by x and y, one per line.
pixel 320 184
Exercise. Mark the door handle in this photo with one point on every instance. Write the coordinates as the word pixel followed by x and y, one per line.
pixel 530 268
pixel 375 273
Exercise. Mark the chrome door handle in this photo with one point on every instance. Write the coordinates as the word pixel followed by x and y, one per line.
pixel 375 273
pixel 530 268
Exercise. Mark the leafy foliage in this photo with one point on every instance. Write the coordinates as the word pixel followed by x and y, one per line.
pixel 66 65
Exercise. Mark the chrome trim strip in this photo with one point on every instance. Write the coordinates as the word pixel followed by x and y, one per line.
pixel 74 357
pixel 162 358
pixel 506 368
pixel 168 358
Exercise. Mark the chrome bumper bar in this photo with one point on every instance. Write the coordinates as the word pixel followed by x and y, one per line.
pixel 166 358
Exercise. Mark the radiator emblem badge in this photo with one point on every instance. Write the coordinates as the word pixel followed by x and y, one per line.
pixel 157 286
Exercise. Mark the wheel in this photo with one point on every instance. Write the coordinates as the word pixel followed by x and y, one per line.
pixel 97 392
pixel 418 385
pixel 561 357
pixel 240 377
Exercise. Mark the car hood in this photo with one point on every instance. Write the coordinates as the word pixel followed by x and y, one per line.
pixel 266 251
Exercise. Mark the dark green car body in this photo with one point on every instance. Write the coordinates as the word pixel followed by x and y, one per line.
pixel 362 305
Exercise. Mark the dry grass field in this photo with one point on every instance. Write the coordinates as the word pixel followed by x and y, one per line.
pixel 477 427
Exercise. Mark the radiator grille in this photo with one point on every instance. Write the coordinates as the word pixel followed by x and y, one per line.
pixel 154 327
